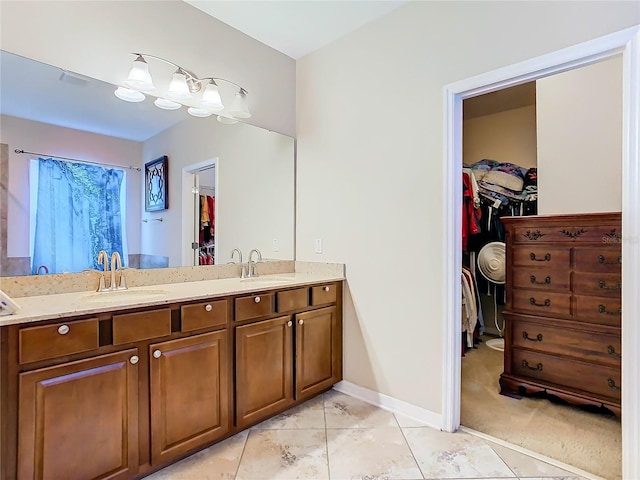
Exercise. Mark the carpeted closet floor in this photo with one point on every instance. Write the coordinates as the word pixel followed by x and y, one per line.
pixel 589 441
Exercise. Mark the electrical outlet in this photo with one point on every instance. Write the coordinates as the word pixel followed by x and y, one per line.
pixel 275 246
pixel 318 245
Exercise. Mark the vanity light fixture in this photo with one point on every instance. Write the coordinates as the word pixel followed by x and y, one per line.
pixel 182 91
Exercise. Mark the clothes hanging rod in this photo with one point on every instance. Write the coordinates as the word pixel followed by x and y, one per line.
pixel 207 187
pixel 17 150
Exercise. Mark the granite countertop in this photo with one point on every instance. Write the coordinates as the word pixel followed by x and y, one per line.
pixel 47 307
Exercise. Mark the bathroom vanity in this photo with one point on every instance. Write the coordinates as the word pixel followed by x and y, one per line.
pixel 97 387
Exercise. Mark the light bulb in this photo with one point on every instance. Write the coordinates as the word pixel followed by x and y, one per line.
pixel 129 95
pixel 139 76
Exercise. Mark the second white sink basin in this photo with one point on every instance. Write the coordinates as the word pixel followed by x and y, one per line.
pixel 125 295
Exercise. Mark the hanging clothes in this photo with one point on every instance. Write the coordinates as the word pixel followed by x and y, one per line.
pixel 469 308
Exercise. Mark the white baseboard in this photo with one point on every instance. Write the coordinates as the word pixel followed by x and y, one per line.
pixel 429 418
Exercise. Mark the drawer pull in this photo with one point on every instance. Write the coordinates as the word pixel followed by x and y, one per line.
pixel 547 257
pixel 611 350
pixel 547 280
pixel 63 329
pixel 289 323
pixel 603 284
pixel 537 368
pixel 326 289
pixel 257 299
pixel 547 302
pixel 602 260
pixel 612 384
pixel 157 354
pixel 603 309
pixel 134 360
pixel 300 322
pixel 526 336
pixel 208 307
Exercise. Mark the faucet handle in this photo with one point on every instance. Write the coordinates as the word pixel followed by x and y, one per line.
pixel 123 281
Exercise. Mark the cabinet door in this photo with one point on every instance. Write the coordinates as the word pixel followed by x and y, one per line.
pixel 189 393
pixel 264 369
pixel 318 352
pixel 79 420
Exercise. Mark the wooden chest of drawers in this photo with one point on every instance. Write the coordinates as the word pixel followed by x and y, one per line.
pixel 563 312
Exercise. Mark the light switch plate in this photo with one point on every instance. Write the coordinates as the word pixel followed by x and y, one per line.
pixel 275 246
pixel 318 245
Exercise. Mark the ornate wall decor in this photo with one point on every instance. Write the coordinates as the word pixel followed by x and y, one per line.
pixel 155 185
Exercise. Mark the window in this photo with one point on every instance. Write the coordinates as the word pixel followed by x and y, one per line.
pixel 79 210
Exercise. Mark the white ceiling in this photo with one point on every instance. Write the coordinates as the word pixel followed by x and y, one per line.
pixel 296 28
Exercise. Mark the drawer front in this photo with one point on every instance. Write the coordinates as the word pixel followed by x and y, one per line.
pixel 254 306
pixel 599 260
pixel 133 327
pixel 586 346
pixel 562 233
pixel 601 380
pixel 541 302
pixel 59 339
pixel 323 294
pixel 599 284
pixel 545 278
pixel 203 315
pixel 541 256
pixel 600 310
pixel 292 299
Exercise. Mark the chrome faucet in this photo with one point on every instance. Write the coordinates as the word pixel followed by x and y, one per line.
pixel 116 264
pixel 103 258
pixel 241 264
pixel 251 265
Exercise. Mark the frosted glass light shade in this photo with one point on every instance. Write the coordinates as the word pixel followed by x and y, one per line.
pixel 139 76
pixel 129 95
pixel 166 104
pixel 211 97
pixel 227 120
pixel 240 106
pixel 198 112
pixel 178 88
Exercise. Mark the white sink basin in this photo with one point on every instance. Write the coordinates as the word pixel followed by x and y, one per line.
pixel 125 295
pixel 268 280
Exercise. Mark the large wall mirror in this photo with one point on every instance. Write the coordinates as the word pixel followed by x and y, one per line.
pixel 248 170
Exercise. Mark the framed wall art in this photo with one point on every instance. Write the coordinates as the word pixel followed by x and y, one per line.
pixel 155 185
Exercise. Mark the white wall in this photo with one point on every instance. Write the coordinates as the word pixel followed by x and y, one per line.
pixel 96 38
pixel 580 139
pixel 508 136
pixel 64 142
pixel 255 195
pixel 370 148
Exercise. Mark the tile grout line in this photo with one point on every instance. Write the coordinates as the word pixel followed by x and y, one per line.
pixel 326 433
pixel 246 440
pixel 409 446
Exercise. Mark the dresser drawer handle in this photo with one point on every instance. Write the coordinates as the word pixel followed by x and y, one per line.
pixel 547 280
pixel 526 336
pixel 603 309
pixel 537 368
pixel 547 257
pixel 612 384
pixel 602 260
pixel 547 302
pixel 63 329
pixel 208 307
pixel 256 299
pixel 603 285
pixel 611 350
pixel 326 289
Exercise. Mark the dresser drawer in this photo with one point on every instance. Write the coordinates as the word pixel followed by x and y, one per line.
pixel 323 294
pixel 582 345
pixel 601 380
pixel 599 260
pixel 253 306
pixel 561 233
pixel 133 327
pixel 58 339
pixel 203 315
pixel 542 256
pixel 541 302
pixel 599 284
pixel 600 310
pixel 292 299
pixel 543 278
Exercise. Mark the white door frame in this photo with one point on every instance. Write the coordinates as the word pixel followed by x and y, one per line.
pixel 626 42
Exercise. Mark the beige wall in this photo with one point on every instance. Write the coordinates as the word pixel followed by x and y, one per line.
pixel 508 136
pixel 370 179
pixel 580 139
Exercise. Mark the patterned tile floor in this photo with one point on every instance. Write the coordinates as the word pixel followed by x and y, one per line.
pixel 338 437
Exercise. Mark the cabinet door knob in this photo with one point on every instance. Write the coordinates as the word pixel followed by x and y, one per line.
pixel 326 289
pixel 257 299
pixel 63 329
pixel 300 322
pixel 134 360
pixel 208 307
pixel 289 323
pixel 157 354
